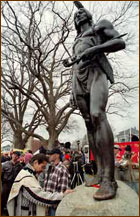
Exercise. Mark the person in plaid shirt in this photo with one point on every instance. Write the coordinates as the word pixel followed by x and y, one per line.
pixel 57 178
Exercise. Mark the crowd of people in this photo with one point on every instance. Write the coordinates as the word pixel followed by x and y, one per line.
pixel 128 155
pixel 42 180
pixel 21 185
pixel 10 166
pixel 126 169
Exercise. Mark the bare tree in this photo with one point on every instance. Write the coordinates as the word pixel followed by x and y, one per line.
pixel 6 132
pixel 37 57
pixel 15 104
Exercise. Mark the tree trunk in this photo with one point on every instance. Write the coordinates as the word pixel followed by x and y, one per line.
pixel 53 137
pixel 18 141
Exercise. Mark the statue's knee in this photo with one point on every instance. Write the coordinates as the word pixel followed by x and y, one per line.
pixel 98 116
pixel 88 121
pixel 95 115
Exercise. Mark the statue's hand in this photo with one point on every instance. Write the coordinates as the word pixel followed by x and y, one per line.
pixel 66 62
pixel 72 101
pixel 88 53
pixel 73 58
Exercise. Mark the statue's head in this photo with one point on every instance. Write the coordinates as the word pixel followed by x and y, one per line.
pixel 80 17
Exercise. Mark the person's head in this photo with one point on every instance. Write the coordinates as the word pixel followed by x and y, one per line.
pixel 15 156
pixel 5 154
pixel 55 155
pixel 80 17
pixel 30 151
pixel 28 157
pixel 21 158
pixel 116 149
pixel 42 150
pixel 39 162
pixel 128 153
pixel 128 149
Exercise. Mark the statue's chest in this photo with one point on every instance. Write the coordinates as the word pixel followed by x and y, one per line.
pixel 84 42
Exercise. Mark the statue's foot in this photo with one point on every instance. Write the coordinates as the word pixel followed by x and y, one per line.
pixel 106 191
pixel 96 180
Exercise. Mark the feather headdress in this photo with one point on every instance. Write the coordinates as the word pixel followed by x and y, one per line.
pixel 78 4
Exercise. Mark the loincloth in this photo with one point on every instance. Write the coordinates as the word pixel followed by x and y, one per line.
pixel 83 80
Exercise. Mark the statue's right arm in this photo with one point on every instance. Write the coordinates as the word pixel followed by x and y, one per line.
pixel 110 40
pixel 66 63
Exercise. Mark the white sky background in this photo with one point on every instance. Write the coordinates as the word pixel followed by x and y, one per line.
pixel 131 118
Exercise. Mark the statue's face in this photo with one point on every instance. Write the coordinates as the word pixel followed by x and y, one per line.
pixel 80 17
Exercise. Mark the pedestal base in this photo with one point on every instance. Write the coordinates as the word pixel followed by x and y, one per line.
pixel 81 203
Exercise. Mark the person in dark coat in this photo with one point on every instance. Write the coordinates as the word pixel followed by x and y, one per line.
pixel 9 171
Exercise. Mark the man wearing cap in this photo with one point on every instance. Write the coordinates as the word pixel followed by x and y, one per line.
pixel 57 179
pixel 9 171
pixel 27 198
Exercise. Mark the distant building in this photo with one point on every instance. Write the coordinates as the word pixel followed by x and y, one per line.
pixel 34 144
pixel 6 148
pixel 125 135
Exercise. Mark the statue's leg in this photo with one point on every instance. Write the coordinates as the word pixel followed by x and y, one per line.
pixel 98 177
pixel 84 105
pixel 103 135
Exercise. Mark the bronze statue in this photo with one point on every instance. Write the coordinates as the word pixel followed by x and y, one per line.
pixel 91 72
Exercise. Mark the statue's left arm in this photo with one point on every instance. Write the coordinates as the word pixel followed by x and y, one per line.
pixel 110 40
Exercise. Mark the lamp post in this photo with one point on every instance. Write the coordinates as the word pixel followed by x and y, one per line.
pixel 78 143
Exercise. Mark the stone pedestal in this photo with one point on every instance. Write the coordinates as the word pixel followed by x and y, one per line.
pixel 81 203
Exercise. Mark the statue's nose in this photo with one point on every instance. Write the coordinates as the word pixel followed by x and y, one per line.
pixel 78 14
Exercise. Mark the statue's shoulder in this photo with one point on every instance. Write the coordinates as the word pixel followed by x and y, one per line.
pixel 103 24
pixel 105 30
